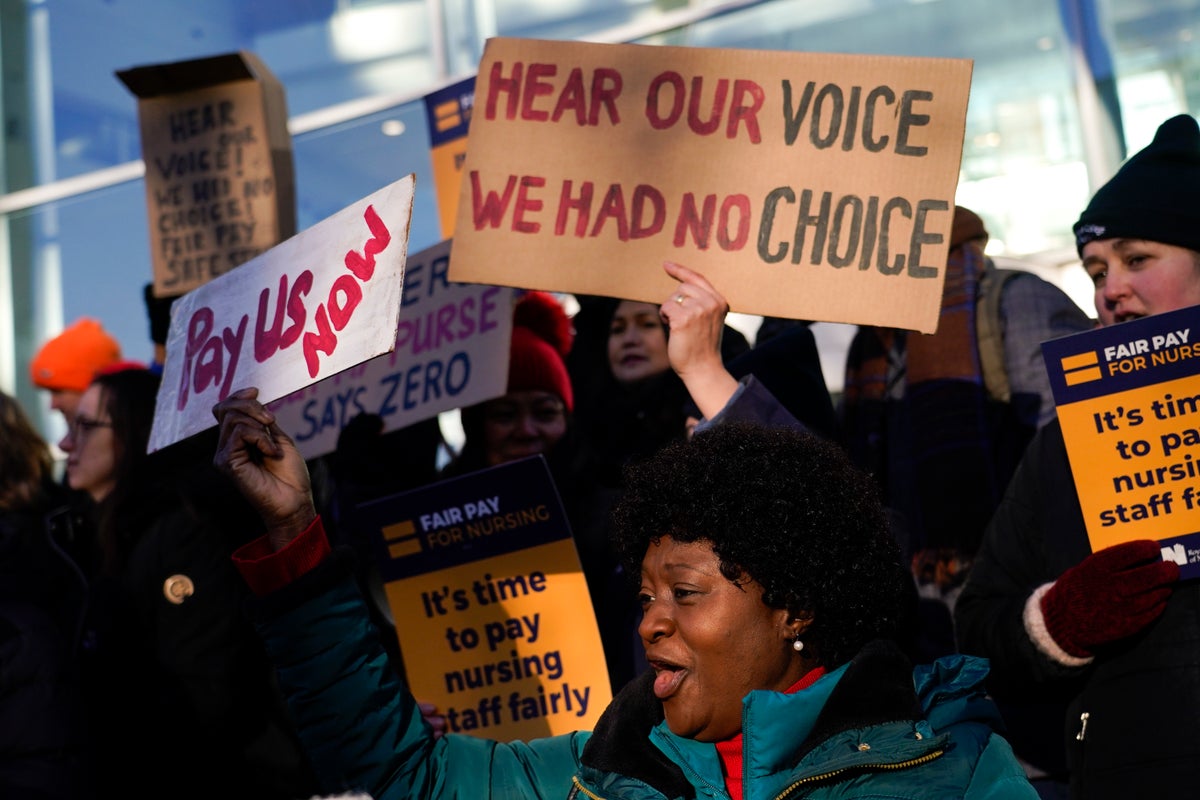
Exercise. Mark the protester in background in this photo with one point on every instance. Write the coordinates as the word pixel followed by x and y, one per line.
pixel 66 364
pixel 630 403
pixel 158 312
pixel 180 697
pixel 533 415
pixel 941 420
pixel 1108 637
pixel 768 585
pixel 42 742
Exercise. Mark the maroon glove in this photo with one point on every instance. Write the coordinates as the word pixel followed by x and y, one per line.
pixel 1109 595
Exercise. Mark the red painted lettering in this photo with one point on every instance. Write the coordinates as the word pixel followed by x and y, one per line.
pixel 526 204
pixel 296 310
pixel 644 194
pixel 198 329
pixel 324 340
pixel 363 266
pixel 233 346
pixel 572 98
pixel 706 126
pixel 489 211
pixel 737 240
pixel 269 340
pixel 209 365
pixel 209 359
pixel 675 82
pixel 345 294
pixel 692 221
pixel 535 87
pixel 266 342
pixel 748 99
pixel 613 207
pixel 606 88
pixel 344 297
pixel 581 204
pixel 498 84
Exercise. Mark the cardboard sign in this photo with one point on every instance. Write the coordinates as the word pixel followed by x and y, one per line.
pixel 452 348
pixel 491 606
pixel 448 112
pixel 815 186
pixel 1128 400
pixel 323 301
pixel 219 174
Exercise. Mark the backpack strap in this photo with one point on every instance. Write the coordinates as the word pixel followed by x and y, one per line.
pixel 989 330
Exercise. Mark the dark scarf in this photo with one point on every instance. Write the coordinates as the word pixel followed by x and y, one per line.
pixel 931 447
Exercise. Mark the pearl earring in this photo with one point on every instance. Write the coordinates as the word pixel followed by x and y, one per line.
pixel 797 645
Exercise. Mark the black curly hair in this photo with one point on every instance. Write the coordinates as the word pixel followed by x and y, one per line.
pixel 786 509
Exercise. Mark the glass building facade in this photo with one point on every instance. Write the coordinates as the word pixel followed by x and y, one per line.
pixel 1062 90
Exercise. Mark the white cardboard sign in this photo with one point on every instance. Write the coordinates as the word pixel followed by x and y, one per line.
pixel 322 301
pixel 452 348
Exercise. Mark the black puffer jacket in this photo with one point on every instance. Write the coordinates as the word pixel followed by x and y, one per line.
pixel 1141 695
pixel 180 698
pixel 41 720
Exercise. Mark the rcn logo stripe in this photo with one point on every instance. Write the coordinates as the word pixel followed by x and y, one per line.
pixel 447 115
pixel 1081 368
pixel 402 539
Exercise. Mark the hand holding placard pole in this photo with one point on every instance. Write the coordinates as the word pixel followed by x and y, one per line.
pixel 263 463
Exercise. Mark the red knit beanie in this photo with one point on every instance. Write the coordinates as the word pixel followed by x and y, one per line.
pixel 71 359
pixel 541 338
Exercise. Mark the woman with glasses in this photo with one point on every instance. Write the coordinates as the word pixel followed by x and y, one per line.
pixel 179 697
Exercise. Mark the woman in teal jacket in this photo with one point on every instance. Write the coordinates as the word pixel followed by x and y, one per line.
pixel 769 588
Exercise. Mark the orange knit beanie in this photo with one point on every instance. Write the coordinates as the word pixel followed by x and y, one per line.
pixel 71 359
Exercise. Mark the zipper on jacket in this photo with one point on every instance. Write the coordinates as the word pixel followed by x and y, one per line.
pixel 1083 721
pixel 912 762
pixel 579 787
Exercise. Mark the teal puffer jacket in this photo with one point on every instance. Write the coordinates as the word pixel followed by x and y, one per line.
pixel 871 728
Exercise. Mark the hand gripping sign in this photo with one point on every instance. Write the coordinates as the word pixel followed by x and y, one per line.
pixel 1128 400
pixel 319 303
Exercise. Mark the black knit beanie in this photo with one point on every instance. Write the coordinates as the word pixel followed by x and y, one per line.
pixel 1154 196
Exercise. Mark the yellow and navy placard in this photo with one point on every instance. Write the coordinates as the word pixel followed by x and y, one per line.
pixel 1128 400
pixel 448 112
pixel 490 604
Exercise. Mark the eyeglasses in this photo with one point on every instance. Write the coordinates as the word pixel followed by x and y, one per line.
pixel 83 426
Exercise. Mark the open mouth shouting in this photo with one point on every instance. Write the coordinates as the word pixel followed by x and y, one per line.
pixel 667 678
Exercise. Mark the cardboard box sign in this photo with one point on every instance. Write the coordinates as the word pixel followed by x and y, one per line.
pixel 220 183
